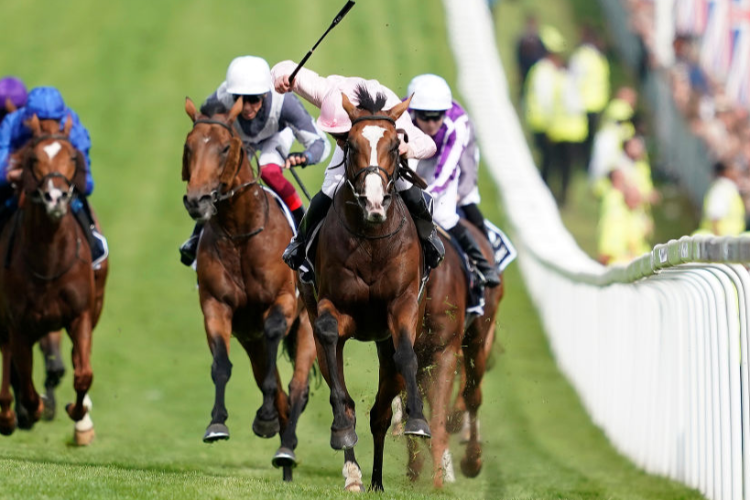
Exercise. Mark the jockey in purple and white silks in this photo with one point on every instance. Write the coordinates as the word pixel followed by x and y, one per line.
pixel 434 112
pixel 13 95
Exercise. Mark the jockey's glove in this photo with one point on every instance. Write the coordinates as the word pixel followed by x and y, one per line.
pixel 303 159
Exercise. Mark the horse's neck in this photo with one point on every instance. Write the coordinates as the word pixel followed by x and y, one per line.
pixel 45 243
pixel 243 212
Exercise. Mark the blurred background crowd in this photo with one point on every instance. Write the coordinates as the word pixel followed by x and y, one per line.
pixel 579 121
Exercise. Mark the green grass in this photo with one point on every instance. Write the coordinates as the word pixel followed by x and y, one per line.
pixel 126 66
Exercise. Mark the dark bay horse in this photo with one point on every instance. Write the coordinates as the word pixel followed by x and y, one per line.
pixel 368 272
pixel 244 286
pixel 46 280
pixel 445 338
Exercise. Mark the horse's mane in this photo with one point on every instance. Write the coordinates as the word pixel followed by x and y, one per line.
pixel 367 101
pixel 211 108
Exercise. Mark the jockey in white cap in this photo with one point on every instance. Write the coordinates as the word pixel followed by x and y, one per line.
pixel 436 114
pixel 268 124
pixel 325 93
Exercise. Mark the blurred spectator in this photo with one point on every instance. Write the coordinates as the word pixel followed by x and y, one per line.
pixel 723 207
pixel 529 48
pixel 590 68
pixel 621 233
pixel 616 128
pixel 12 95
pixel 539 94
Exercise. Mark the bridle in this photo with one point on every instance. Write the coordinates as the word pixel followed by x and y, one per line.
pixel 370 169
pixel 36 193
pixel 216 195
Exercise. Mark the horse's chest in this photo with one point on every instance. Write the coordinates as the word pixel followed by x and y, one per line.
pixel 50 308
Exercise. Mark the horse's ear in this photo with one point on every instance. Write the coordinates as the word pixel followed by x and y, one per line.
pixel 234 157
pixel 33 124
pixel 9 106
pixel 235 111
pixel 396 111
pixel 350 108
pixel 190 109
pixel 68 125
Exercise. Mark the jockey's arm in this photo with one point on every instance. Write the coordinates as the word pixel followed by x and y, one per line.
pixel 420 145
pixel 79 138
pixel 308 84
pixel 7 127
pixel 296 117
pixel 447 169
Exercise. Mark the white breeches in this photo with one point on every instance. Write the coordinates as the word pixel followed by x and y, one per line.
pixel 471 198
pixel 275 149
pixel 444 208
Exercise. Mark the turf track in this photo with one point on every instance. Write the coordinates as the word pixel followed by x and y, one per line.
pixel 126 66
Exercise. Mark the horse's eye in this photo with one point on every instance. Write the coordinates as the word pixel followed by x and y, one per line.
pixel 225 150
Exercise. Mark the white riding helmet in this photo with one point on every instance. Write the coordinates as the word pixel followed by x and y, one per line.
pixel 248 75
pixel 431 93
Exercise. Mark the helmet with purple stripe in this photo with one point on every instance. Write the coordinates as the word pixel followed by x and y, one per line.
pixel 12 90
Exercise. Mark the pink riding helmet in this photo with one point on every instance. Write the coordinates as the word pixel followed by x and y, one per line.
pixel 333 118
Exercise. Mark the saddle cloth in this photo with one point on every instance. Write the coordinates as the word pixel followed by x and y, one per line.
pixel 284 208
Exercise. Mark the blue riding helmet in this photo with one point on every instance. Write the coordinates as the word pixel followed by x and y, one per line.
pixel 46 103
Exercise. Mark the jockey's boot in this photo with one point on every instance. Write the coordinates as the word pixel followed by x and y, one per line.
pixel 97 242
pixel 189 249
pixel 295 253
pixel 470 246
pixel 420 208
pixel 474 215
pixel 298 214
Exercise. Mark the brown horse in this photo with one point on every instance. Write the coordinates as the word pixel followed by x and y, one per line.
pixel 47 281
pixel 244 286
pixel 368 274
pixel 446 337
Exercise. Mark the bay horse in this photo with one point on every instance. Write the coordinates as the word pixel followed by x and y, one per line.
pixel 368 273
pixel 244 286
pixel 447 336
pixel 46 281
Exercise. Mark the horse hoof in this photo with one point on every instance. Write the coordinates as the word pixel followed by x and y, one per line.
pixel 50 408
pixel 266 428
pixel 23 419
pixel 216 432
pixel 355 488
pixel 471 468
pixel 417 427
pixel 344 439
pixel 8 425
pixel 284 457
pixel 83 438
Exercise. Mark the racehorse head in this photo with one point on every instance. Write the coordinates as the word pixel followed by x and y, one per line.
pixel 373 152
pixel 211 160
pixel 52 168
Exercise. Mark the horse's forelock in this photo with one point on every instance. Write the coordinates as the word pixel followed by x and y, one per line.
pixel 367 101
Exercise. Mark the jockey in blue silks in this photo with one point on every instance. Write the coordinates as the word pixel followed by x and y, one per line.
pixel 47 104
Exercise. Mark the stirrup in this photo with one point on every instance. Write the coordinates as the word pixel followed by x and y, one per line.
pixel 295 254
pixel 96 263
pixel 189 250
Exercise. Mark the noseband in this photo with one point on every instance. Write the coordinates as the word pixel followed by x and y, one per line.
pixel 372 169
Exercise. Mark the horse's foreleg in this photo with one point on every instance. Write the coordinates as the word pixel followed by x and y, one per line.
pixel 54 368
pixel 218 324
pixel 352 473
pixel 402 321
pixel 389 385
pixel 299 390
pixel 327 330
pixel 80 331
pixel 30 404
pixel 475 360
pixel 440 381
pixel 7 415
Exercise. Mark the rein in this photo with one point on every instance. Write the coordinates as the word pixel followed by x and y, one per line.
pixel 218 197
pixel 36 195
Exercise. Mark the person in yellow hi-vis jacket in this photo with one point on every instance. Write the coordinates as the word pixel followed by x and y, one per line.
pixel 567 130
pixel 590 68
pixel 617 128
pixel 723 208
pixel 539 95
pixel 621 235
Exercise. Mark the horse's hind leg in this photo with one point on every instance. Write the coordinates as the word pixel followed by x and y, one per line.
pixel 389 385
pixel 217 318
pixel 80 331
pixel 55 369
pixel 275 327
pixel 440 383
pixel 7 415
pixel 299 390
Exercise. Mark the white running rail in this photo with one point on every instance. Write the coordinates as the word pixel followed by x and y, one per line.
pixel 657 350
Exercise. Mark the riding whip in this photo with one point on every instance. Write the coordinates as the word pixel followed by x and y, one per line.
pixel 299 181
pixel 336 20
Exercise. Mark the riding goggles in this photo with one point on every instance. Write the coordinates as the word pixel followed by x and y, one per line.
pixel 430 116
pixel 249 99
